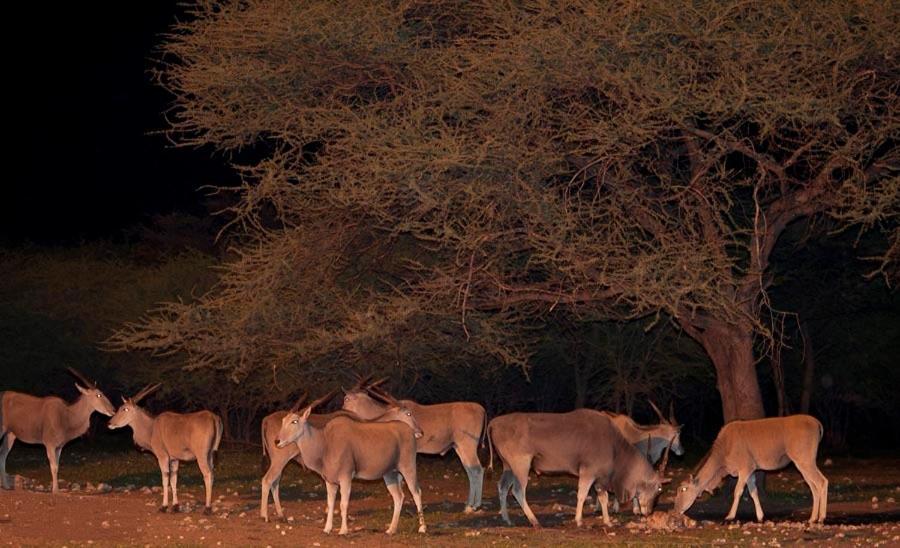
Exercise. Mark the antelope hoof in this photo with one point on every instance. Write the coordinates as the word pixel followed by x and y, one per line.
pixel 390 531
pixel 343 531
pixel 207 510
pixel 175 508
pixel 422 528
pixel 469 510
pixel 162 509
pixel 579 523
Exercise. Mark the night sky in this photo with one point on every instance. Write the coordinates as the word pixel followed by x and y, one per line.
pixel 82 162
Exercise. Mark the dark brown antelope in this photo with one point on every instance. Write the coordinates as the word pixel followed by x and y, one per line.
pixel 49 421
pixel 173 437
pixel 583 443
pixel 455 425
pixel 346 448
pixel 743 447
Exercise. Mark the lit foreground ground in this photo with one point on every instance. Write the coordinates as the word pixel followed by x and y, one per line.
pixel 862 508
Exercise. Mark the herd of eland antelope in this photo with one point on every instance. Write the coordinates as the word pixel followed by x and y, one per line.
pixel 376 436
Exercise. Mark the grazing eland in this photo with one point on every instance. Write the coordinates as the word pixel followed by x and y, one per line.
pixel 650 440
pixel 347 447
pixel 454 425
pixel 173 437
pixel 49 421
pixel 743 447
pixel 583 443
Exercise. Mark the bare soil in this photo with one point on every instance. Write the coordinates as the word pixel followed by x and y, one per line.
pixel 128 513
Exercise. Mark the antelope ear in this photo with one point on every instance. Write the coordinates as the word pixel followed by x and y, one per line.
pixel 124 400
pixel 81 389
pixel 306 413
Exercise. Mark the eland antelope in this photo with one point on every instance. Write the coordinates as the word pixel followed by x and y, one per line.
pixel 454 425
pixel 650 440
pixel 49 421
pixel 346 447
pixel 583 443
pixel 173 437
pixel 743 447
pixel 280 455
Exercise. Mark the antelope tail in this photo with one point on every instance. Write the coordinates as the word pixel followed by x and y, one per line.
pixel 218 439
pixel 484 424
pixel 264 463
pixel 2 425
pixel 490 447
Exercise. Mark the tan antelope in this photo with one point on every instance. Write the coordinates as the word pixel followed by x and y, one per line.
pixel 173 437
pixel 280 456
pixel 454 425
pixel 583 443
pixel 650 440
pixel 346 448
pixel 49 421
pixel 743 447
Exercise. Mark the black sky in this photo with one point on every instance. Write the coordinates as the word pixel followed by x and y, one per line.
pixel 82 161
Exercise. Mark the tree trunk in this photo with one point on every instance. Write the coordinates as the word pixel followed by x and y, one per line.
pixel 809 362
pixel 731 351
pixel 778 380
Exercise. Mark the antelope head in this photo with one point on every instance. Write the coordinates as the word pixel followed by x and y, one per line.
pixel 674 429
pixel 94 396
pixel 127 411
pixel 396 410
pixel 687 493
pixel 293 425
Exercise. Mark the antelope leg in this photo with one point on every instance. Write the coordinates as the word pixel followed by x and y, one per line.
pixel 603 502
pixel 392 482
pixel 53 457
pixel 164 472
pixel 345 505
pixel 206 470
pixel 584 487
pixel 751 488
pixel 738 490
pixel 503 486
pixel 331 489
pixel 6 444
pixel 173 481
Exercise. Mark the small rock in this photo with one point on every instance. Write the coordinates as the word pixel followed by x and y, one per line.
pixel 104 524
pixel 828 462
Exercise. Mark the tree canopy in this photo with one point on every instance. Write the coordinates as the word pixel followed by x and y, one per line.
pixel 433 180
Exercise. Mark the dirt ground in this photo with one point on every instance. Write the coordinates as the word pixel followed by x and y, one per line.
pixel 862 508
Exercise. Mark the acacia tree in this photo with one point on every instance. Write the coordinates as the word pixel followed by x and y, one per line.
pixel 441 174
